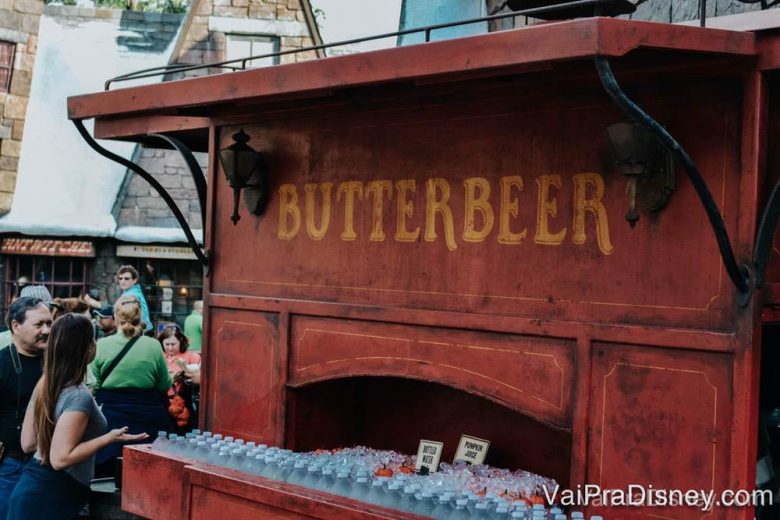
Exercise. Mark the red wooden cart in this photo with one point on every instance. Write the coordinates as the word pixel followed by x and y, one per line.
pixel 444 251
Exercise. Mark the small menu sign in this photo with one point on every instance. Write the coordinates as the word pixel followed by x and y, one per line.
pixel 428 456
pixel 471 450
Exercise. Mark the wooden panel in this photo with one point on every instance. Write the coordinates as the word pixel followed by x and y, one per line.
pixel 151 484
pixel 244 374
pixel 659 418
pixel 527 247
pixel 208 504
pixel 222 493
pixel 530 374
pixel 160 487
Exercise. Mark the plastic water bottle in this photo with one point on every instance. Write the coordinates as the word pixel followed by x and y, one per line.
pixel 407 501
pixel 377 491
pixel 519 514
pixel 222 457
pixel 481 511
pixel 196 432
pixel 326 481
pixel 175 444
pixel 343 484
pixel 392 495
pixel 425 504
pixel 237 456
pixel 360 489
pixel 444 507
pixel 161 442
pixel 560 516
pixel 213 454
pixel 460 512
pixel 501 512
pixel 577 515
pixel 202 451
pixel 269 468
pixel 298 472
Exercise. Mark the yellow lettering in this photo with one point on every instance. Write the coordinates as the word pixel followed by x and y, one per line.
pixel 479 205
pixel 288 206
pixel 595 206
pixel 509 209
pixel 405 211
pixel 547 208
pixel 349 189
pixel 434 206
pixel 378 189
pixel 311 229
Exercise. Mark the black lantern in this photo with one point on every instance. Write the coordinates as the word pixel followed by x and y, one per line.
pixel 245 170
pixel 646 165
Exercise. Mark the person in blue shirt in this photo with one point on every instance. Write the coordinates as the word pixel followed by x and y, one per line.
pixel 127 277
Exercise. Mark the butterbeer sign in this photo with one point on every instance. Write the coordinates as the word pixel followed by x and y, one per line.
pixel 484 215
pixel 513 214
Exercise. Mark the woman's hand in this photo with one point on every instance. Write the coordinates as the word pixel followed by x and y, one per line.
pixel 121 435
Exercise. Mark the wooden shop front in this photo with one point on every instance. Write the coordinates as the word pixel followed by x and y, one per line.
pixel 444 251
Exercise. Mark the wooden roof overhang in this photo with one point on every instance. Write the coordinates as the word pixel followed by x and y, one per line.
pixel 184 108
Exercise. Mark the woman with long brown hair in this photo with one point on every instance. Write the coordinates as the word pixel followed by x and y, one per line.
pixel 64 427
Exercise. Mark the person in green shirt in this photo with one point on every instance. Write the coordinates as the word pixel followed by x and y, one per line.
pixel 134 393
pixel 193 326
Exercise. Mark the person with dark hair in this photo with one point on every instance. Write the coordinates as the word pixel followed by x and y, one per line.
pixel 178 358
pixel 64 427
pixel 127 276
pixel 175 346
pixel 29 320
pixel 132 379
pixel 104 319
pixel 61 306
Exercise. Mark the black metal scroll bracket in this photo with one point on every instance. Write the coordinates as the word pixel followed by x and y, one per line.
pixel 742 275
pixel 197 174
pixel 202 256
pixel 766 234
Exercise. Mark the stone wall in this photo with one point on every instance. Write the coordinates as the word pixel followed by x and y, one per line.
pixel 213 19
pixel 142 206
pixel 204 42
pixel 678 11
pixel 667 11
pixel 19 20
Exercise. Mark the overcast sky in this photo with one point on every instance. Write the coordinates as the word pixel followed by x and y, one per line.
pixel 346 19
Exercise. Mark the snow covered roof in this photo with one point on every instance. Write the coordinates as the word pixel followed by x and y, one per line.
pixel 147 235
pixel 63 187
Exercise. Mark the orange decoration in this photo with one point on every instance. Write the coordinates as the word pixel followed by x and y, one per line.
pixel 384 471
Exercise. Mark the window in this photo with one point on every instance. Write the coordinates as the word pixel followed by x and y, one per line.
pixel 6 64
pixel 64 277
pixel 244 45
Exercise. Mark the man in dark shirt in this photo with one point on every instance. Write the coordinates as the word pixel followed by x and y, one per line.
pixel 29 320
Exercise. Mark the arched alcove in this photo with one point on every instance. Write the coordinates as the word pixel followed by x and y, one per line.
pixel 395 413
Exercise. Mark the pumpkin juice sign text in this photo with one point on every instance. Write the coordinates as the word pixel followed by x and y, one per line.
pixel 485 212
